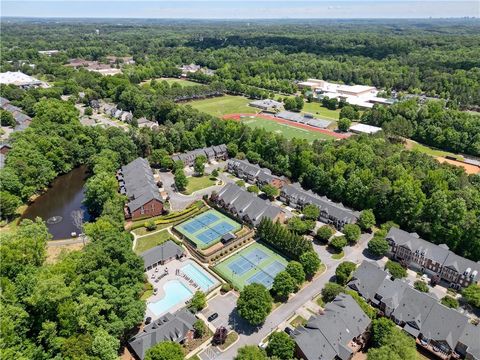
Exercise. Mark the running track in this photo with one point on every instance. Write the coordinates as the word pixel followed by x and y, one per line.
pixel 292 123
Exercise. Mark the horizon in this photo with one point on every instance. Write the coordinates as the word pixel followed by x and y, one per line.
pixel 241 10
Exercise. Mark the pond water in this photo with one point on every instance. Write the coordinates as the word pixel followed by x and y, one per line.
pixel 59 203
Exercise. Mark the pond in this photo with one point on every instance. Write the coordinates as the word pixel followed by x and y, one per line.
pixel 61 203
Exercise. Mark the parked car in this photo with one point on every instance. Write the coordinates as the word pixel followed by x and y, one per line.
pixel 288 330
pixel 213 317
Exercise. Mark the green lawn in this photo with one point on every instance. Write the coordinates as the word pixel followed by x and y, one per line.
pixel 171 81
pixel 338 256
pixel 147 242
pixel 432 152
pixel 298 321
pixel 286 130
pixel 223 105
pixel 316 109
pixel 231 338
pixel 196 183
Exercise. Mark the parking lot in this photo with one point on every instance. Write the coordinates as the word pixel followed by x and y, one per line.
pixel 224 305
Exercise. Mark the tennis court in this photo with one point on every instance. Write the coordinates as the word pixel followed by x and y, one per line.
pixel 254 264
pixel 207 229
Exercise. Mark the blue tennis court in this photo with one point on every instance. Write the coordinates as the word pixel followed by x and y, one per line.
pixel 256 256
pixel 207 236
pixel 240 266
pixel 223 228
pixel 274 268
pixel 207 218
pixel 261 278
pixel 193 226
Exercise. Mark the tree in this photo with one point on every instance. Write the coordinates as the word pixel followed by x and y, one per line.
pixel 270 191
pixel 421 286
pixel 199 165
pixel 352 232
pixel 338 243
pixel 165 350
pixel 254 303
pixel 344 271
pixel 325 233
pixel 105 346
pixel 280 346
pixel 150 225
pixel 88 111
pixel 390 342
pixel 366 220
pixel 310 262
pixel 198 302
pixel 160 158
pixel 299 226
pixel 200 328
pixel 9 206
pixel 253 189
pixel 311 212
pixel 295 269
pixel 378 246
pixel 330 291
pixel 283 285
pixel 395 269
pixel 251 352
pixel 215 173
pixel 98 189
pixel 240 183
pixel 348 112
pixel 7 119
pixel 180 179
pixel 450 302
pixel 472 294
pixel 344 124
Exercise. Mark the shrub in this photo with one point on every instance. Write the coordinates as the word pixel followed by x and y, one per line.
pixel 395 269
pixel 330 291
pixel 352 232
pixel 450 302
pixel 226 287
pixel 150 225
pixel 338 243
pixel 240 183
pixel 421 286
pixel 325 233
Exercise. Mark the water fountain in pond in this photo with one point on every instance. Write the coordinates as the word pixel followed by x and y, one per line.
pixel 54 220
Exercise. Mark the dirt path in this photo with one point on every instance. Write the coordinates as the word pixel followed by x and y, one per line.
pixel 291 123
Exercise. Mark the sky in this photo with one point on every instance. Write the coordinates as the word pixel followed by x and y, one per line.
pixel 246 9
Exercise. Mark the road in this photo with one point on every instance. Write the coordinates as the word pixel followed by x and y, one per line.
pixel 284 312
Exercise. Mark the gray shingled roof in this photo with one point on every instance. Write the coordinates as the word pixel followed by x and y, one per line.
pixel 391 292
pixel 444 324
pixel 245 166
pixel 140 185
pixel 337 210
pixel 470 338
pixel 246 204
pixel 327 336
pixel 161 252
pixel 169 327
pixel 367 279
pixel 215 150
pixel 266 103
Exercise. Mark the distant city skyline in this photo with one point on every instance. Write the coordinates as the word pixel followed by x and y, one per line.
pixel 233 9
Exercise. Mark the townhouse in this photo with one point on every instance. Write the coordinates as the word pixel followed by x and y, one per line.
pixel 212 153
pixel 253 173
pixel 337 333
pixel 331 213
pixel 246 206
pixel 136 181
pixel 21 119
pixel 444 331
pixel 436 260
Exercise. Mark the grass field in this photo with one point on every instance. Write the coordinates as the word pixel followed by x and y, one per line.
pixel 248 259
pixel 207 229
pixel 412 145
pixel 147 242
pixel 196 183
pixel 316 109
pixel 171 81
pixel 286 130
pixel 223 105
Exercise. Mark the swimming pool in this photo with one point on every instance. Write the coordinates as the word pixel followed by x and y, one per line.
pixel 198 275
pixel 175 293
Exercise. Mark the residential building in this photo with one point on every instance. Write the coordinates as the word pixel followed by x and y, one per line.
pixel 436 260
pixel 267 105
pixel 49 52
pixel 338 333
pixel 21 80
pixel 212 153
pixel 144 122
pixel 176 327
pixel 306 119
pixel 23 121
pixel 136 181
pixel 364 129
pixel 253 173
pixel 441 330
pixel 331 213
pixel 161 254
pixel 246 206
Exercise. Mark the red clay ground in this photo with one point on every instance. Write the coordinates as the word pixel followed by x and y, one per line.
pixel 291 123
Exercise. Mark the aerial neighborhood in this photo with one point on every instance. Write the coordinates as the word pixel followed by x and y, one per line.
pixel 274 188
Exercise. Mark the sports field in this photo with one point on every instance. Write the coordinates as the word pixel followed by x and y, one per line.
pixel 289 131
pixel 254 264
pixel 207 229
pixel 316 109
pixel 219 106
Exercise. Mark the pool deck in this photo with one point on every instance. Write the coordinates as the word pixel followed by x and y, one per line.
pixel 172 267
